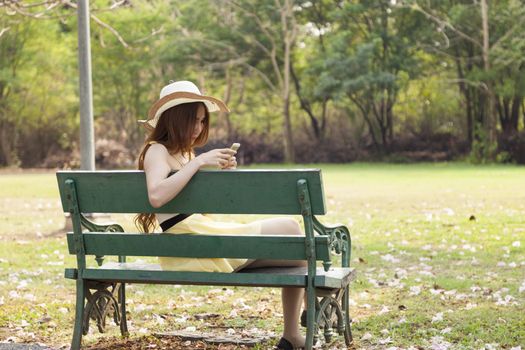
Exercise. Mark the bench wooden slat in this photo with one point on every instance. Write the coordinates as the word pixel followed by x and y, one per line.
pixel 199 246
pixel 209 191
pixel 137 272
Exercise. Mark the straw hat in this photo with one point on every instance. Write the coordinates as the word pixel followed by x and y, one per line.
pixel 177 93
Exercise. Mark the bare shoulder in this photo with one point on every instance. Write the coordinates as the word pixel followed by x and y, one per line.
pixel 157 149
pixel 155 153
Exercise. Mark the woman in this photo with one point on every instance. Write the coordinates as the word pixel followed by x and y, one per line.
pixel 178 122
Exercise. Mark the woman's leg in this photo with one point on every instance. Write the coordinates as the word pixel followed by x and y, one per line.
pixel 292 298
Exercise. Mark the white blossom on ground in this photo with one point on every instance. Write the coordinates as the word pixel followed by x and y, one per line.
pixel 438 317
pixel 366 336
pixel 446 330
pixel 492 346
pixel 522 287
pixel 415 290
pixel 390 258
pixel 385 341
pixel 470 306
pixel 384 310
pixel 438 343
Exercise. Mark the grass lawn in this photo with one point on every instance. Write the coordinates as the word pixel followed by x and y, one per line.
pixel 439 248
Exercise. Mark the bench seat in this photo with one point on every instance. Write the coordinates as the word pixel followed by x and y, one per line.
pixel 139 272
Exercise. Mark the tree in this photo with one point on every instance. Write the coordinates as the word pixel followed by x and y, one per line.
pixel 369 56
pixel 124 76
pixel 258 37
pixel 482 39
pixel 315 22
pixel 36 98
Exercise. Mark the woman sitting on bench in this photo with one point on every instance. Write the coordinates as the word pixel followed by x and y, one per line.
pixel 177 123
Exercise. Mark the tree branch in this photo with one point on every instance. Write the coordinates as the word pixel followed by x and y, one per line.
pixel 441 22
pixel 103 24
pixel 270 52
pixel 4 30
pixel 19 7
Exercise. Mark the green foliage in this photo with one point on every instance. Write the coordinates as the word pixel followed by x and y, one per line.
pixel 37 94
pixel 371 74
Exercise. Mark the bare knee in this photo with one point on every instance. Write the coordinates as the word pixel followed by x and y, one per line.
pixel 292 227
pixel 281 226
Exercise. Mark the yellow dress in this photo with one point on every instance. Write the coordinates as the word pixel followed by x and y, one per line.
pixel 201 224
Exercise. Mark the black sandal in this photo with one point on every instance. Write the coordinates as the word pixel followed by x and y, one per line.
pixel 284 344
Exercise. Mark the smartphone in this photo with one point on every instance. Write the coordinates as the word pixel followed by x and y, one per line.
pixel 235 146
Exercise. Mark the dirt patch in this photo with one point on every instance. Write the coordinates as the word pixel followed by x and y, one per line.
pixel 161 343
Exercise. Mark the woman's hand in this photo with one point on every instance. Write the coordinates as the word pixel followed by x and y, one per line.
pixel 220 158
pixel 232 163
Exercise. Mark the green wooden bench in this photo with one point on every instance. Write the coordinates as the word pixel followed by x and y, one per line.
pixel 101 290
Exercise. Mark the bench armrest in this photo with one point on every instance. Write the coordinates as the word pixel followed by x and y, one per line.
pixel 93 227
pixel 339 237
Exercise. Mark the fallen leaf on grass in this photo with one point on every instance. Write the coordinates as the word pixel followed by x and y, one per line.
pixel 44 319
pixel 385 341
pixel 206 316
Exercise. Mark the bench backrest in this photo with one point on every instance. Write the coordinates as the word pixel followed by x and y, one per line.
pixel 296 192
pixel 225 192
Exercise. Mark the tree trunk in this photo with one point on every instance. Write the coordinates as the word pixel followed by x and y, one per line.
pixel 307 107
pixel 509 111
pixel 226 99
pixel 464 90
pixel 7 134
pixel 289 37
pixel 371 129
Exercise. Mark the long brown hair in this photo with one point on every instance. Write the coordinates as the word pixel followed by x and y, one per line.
pixel 174 130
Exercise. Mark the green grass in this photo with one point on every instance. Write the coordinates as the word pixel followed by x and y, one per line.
pixel 434 245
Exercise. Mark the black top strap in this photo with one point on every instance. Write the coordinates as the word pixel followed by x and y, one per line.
pixel 167 224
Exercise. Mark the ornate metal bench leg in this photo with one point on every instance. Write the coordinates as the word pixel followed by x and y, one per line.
pixel 331 315
pixel 348 320
pixel 101 303
pixel 328 315
pixel 79 315
pixel 122 302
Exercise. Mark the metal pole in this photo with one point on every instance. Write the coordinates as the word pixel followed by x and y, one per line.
pixel 87 143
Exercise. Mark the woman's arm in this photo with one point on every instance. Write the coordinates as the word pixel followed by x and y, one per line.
pixel 161 188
